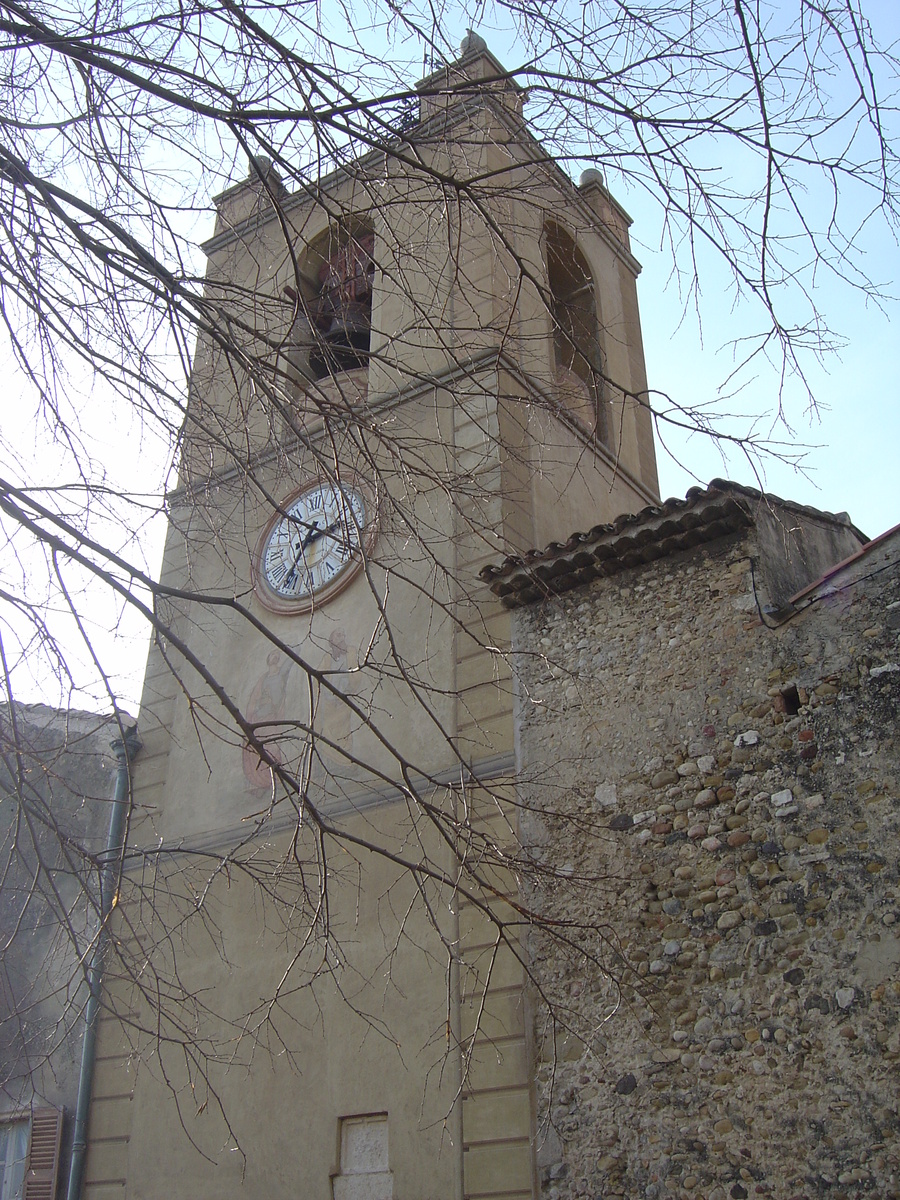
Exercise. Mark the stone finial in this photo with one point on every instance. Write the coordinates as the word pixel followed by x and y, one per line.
pixel 262 169
pixel 591 175
pixel 472 43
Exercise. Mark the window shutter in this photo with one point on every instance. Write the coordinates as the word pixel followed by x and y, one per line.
pixel 43 1156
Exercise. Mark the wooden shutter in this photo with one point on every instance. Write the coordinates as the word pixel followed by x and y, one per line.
pixel 43 1154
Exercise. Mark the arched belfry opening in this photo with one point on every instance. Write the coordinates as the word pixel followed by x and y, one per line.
pixel 337 279
pixel 577 355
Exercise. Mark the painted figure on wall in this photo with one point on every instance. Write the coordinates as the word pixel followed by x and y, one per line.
pixel 333 719
pixel 266 707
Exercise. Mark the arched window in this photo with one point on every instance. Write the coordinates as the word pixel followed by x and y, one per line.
pixel 333 331
pixel 577 357
pixel 343 306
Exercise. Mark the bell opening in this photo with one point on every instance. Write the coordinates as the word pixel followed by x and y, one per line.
pixel 343 312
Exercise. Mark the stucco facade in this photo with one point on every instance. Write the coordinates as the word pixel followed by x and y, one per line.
pixel 464 877
pixel 288 1010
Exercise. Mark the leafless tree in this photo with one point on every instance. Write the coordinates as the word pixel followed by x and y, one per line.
pixel 761 132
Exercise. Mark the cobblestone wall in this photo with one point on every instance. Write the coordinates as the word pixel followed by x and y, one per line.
pixel 721 799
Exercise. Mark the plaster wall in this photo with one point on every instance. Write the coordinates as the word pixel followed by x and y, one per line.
pixel 381 1035
pixel 56 812
pixel 470 460
pixel 359 1029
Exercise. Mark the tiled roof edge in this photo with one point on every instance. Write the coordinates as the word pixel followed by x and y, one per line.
pixel 634 538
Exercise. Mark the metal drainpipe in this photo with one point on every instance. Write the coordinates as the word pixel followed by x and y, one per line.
pixel 125 749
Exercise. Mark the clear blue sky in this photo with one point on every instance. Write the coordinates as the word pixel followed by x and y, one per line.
pixel 854 439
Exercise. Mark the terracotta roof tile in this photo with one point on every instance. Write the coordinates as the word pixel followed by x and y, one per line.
pixel 635 538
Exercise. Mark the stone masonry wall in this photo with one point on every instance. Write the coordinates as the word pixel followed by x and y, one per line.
pixel 721 799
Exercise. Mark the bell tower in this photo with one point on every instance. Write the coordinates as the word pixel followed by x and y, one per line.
pixel 425 358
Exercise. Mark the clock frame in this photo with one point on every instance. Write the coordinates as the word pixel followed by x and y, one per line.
pixel 315 543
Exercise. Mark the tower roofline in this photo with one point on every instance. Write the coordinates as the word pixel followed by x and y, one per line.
pixel 475 65
pixel 442 122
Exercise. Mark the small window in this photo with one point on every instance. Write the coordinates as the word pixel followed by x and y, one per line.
pixel 13 1158
pixel 364 1173
pixel 577 357
pixel 29 1154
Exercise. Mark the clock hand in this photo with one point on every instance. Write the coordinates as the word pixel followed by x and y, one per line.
pixel 320 533
pixel 313 535
pixel 314 532
pixel 317 533
pixel 332 527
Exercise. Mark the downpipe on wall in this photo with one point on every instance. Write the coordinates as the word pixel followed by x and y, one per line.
pixel 125 749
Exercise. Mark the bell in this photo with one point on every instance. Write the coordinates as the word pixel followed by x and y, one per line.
pixel 345 343
pixel 350 327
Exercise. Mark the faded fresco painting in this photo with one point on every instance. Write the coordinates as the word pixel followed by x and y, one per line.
pixel 280 714
pixel 266 708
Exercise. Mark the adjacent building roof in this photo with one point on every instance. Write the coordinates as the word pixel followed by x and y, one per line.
pixel 636 538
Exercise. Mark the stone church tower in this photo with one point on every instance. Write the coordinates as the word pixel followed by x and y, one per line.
pixel 426 360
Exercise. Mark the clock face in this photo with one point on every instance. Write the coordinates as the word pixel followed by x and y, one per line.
pixel 313 546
